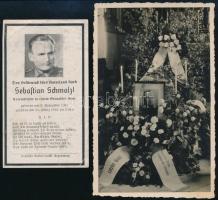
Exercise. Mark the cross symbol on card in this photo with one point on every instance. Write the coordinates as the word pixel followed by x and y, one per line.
pixel 148 98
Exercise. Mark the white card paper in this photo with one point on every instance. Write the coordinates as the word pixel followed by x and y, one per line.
pixel 45 93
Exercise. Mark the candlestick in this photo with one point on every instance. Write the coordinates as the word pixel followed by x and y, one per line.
pixel 121 77
pixel 136 69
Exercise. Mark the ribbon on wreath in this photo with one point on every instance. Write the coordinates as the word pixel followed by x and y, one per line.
pixel 169 45
pixel 162 161
pixel 113 164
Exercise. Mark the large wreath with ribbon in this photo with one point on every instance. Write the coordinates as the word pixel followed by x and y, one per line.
pixel 154 149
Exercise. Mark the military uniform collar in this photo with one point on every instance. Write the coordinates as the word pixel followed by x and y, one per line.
pixel 39 73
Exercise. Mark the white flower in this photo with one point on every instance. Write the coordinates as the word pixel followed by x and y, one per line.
pixel 169 123
pixel 125 135
pixel 166 44
pixel 137 169
pixel 124 113
pixel 117 103
pixel 185 114
pixel 187 111
pixel 131 118
pixel 147 176
pixel 134 142
pixel 162 101
pixel 136 127
pixel 173 36
pixel 164 105
pixel 147 135
pixel 191 108
pixel 166 37
pixel 121 128
pixel 179 47
pixel 160 131
pixel 130 127
pixel 148 157
pixel 178 96
pixel 111 114
pixel 136 118
pixel 161 109
pixel 177 110
pixel 147 124
pixel 165 142
pixel 134 175
pixel 193 119
pixel 135 165
pixel 143 132
pixel 143 127
pixel 135 122
pixel 101 105
pixel 112 109
pixel 176 42
pixel 153 127
pixel 112 138
pixel 107 116
pixel 106 106
pixel 156 140
pixel 154 120
pixel 171 44
pixel 160 38
pixel 203 100
pixel 141 164
pixel 175 133
pixel 133 133
pixel 130 112
pixel 141 173
pixel 161 44
pixel 196 111
pixel 119 144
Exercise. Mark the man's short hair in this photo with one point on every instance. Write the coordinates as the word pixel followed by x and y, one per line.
pixel 41 37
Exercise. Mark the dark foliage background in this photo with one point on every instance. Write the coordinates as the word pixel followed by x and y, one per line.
pixel 141 28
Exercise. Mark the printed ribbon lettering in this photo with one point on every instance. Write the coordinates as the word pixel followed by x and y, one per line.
pixel 167 171
pixel 112 165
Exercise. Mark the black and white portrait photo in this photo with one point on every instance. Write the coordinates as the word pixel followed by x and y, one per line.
pixel 43 55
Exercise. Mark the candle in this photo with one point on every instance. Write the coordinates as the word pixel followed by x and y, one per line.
pixel 136 69
pixel 186 71
pixel 176 80
pixel 121 77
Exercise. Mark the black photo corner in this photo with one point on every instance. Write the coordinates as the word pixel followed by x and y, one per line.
pixel 65 183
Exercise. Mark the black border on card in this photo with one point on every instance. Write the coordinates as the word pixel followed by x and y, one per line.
pixel 5 98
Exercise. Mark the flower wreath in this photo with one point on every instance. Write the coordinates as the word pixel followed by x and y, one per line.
pixel 177 129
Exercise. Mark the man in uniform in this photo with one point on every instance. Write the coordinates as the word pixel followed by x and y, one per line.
pixel 42 55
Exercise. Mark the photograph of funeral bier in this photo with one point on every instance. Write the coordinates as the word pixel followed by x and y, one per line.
pixel 154 109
